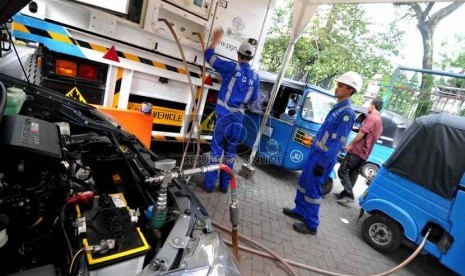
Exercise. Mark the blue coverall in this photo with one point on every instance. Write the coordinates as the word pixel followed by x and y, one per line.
pixel 329 140
pixel 239 87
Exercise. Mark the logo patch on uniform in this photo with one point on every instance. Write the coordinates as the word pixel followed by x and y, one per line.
pixel 345 118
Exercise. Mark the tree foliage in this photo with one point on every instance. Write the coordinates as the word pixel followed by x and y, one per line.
pixel 339 38
pixel 453 59
pixel 427 21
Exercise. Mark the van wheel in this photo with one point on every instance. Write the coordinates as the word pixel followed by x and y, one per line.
pixel 369 170
pixel 327 186
pixel 382 233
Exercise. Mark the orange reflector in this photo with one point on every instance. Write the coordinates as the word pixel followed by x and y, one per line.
pixel 39 62
pixel 116 178
pixel 65 68
pixel 112 54
pixel 307 140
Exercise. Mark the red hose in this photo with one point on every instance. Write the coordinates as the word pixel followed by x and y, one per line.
pixel 233 210
pixel 228 170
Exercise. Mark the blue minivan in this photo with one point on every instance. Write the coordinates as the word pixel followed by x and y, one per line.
pixel 421 187
pixel 297 114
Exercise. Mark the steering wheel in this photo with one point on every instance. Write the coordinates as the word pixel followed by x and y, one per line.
pixel 2 100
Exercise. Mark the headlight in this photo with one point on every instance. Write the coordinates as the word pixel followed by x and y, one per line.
pixel 210 257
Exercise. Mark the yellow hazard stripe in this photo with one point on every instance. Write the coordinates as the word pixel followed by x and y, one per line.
pixel 159 65
pixel 131 57
pixel 162 138
pixel 60 37
pixel 98 48
pixel 102 49
pixel 20 27
pixel 159 137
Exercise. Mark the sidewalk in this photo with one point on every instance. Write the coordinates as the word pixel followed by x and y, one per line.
pixel 338 247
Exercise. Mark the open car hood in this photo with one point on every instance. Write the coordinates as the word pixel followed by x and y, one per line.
pixel 8 8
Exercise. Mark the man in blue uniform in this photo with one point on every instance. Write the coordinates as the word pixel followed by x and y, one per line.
pixel 239 87
pixel 329 140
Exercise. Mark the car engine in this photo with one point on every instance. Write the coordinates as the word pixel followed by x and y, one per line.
pixel 75 198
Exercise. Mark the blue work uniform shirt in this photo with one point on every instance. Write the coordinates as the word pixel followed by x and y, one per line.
pixel 239 86
pixel 333 133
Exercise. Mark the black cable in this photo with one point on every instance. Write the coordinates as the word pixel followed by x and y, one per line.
pixel 3 97
pixel 62 219
pixel 84 183
pixel 17 55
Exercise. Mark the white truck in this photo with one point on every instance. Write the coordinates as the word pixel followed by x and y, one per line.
pixel 121 53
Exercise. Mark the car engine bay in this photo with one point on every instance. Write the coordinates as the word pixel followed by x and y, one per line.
pixel 75 198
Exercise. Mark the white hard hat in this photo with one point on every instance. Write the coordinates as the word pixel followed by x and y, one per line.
pixel 352 79
pixel 246 49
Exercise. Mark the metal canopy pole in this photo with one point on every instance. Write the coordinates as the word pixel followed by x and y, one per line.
pixel 303 12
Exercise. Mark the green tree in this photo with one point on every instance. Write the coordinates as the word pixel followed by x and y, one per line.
pixel 427 21
pixel 453 55
pixel 335 41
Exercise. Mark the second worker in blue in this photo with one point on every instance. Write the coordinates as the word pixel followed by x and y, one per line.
pixel 328 142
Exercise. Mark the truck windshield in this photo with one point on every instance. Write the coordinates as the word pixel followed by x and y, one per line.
pixel 317 106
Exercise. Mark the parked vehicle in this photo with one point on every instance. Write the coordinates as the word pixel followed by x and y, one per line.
pixel 77 195
pixel 297 114
pixel 394 127
pixel 122 53
pixel 81 196
pixel 421 187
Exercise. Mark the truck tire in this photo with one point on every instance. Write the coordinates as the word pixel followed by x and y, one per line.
pixel 369 169
pixel 327 186
pixel 382 233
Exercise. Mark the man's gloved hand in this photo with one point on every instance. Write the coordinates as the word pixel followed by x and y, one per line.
pixel 318 170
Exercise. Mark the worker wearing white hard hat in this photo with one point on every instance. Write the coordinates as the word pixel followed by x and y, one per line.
pixel 352 79
pixel 328 142
pixel 239 88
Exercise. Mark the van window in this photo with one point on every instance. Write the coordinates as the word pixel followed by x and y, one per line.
pixel 317 106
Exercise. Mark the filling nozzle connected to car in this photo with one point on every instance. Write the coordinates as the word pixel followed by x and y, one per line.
pixel 169 171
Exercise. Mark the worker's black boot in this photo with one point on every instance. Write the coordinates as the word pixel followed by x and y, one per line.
pixel 302 228
pixel 290 213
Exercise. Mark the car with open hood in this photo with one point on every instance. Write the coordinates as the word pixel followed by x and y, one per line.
pixel 79 195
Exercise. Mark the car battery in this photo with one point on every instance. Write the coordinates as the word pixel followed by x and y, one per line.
pixel 108 217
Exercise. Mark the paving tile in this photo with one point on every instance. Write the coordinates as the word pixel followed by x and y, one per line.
pixel 337 247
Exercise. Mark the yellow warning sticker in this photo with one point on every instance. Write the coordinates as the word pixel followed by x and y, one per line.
pixel 163 115
pixel 75 94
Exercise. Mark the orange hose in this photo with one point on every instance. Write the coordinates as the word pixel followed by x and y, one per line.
pixel 228 170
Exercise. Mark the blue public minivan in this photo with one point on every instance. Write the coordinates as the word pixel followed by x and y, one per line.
pixel 297 114
pixel 420 187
